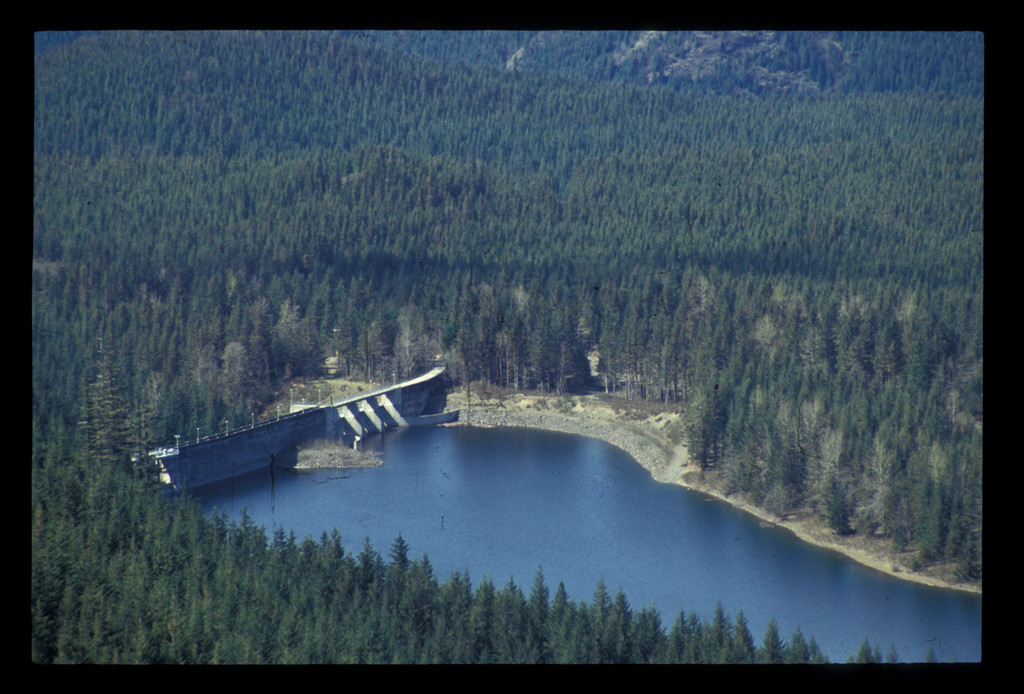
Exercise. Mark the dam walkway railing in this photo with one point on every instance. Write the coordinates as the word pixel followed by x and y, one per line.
pixel 305 412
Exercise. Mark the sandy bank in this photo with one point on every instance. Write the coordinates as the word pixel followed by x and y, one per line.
pixel 648 438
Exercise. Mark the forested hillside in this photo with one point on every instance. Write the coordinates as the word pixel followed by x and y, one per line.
pixel 800 273
pixel 720 62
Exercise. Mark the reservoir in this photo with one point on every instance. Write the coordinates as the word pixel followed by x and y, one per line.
pixel 503 503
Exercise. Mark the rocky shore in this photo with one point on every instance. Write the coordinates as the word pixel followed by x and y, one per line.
pixel 332 455
pixel 645 447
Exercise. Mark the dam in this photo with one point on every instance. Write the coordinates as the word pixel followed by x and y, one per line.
pixel 272 442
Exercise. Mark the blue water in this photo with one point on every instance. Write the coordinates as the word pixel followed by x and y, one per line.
pixel 504 503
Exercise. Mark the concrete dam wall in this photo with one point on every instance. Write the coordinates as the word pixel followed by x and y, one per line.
pixel 275 442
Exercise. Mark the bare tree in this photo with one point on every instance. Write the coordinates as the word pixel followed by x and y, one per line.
pixel 408 348
pixel 234 369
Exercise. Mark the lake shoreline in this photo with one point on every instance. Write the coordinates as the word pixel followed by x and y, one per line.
pixel 647 440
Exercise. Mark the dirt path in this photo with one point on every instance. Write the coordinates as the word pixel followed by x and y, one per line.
pixel 673 473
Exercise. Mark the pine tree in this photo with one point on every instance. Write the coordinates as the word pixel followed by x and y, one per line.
pixel 371 569
pixel 866 654
pixel 836 512
pixel 536 624
pixel 615 638
pixel 509 626
pixel 399 556
pixel 719 635
pixel 742 647
pixel 772 647
pixel 798 651
pixel 648 638
pixel 559 624
pixel 106 418
pixel 677 639
pixel 481 621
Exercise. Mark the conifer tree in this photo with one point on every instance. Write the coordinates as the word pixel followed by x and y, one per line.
pixel 866 654
pixel 106 417
pixel 677 638
pixel 537 618
pixel 798 651
pixel 648 638
pixel 836 512
pixel 719 634
pixel 772 648
pixel 742 647
pixel 481 620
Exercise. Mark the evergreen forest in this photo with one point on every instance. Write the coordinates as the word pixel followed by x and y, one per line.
pixel 787 249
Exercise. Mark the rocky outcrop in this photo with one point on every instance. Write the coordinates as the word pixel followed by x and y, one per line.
pixel 332 455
